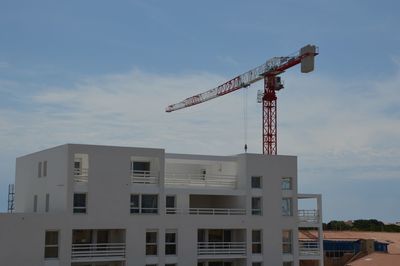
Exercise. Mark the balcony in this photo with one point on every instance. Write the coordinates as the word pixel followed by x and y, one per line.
pixel 229 249
pixel 98 252
pixel 206 211
pixel 200 180
pixel 309 248
pixel 144 177
pixel 308 216
pixel 81 174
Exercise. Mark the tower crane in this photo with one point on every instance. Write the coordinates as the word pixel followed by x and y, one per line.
pixel 269 72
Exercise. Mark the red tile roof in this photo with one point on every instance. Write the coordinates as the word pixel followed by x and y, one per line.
pixel 377 259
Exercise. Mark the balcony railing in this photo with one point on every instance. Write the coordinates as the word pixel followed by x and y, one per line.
pixel 308 216
pixel 206 211
pixel 221 248
pixel 81 174
pixel 145 177
pixel 95 251
pixel 309 248
pixel 200 180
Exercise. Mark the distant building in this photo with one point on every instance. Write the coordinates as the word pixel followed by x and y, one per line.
pixel 92 205
pixel 343 247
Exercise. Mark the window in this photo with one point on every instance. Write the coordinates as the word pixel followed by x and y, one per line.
pixel 35 199
pixel 256 182
pixel 170 204
pixel 287 241
pixel 286 183
pixel 45 168
pixel 170 242
pixel 40 169
pixel 79 203
pixel 140 168
pixel 145 203
pixel 51 244
pixel 287 207
pixel 256 206
pixel 287 263
pixel 151 243
pixel 77 166
pixel 256 241
pixel 135 204
pixel 47 202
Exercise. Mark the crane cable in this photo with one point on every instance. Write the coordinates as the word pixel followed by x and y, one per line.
pixel 245 117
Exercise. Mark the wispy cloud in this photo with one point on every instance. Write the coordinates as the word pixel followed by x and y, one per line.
pixel 333 126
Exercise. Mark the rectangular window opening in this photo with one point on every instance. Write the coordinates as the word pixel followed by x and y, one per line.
pixel 287 183
pixel 51 245
pixel 170 242
pixel 256 239
pixel 151 243
pixel 287 241
pixel 47 207
pixel 80 202
pixel 256 206
pixel 256 182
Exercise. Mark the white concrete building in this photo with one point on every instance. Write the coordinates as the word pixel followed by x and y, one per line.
pixel 84 205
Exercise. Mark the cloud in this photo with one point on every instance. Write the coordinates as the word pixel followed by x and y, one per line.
pixel 334 127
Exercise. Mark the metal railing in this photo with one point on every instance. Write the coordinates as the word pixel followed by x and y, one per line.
pixel 309 248
pixel 308 216
pixel 221 248
pixel 200 180
pixel 206 211
pixel 144 177
pixel 103 250
pixel 81 174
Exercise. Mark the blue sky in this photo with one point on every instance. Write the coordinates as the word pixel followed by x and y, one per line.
pixel 102 72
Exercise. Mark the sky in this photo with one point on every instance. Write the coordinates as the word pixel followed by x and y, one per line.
pixel 102 72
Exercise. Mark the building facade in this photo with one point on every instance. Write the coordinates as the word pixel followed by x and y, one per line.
pixel 89 205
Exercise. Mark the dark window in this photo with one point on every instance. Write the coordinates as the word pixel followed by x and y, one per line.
pixel 151 243
pixel 47 202
pixel 45 168
pixel 149 204
pixel 256 241
pixel 35 200
pixel 256 182
pixel 170 243
pixel 141 166
pixel 170 204
pixel 40 169
pixel 256 206
pixel 51 244
pixel 80 203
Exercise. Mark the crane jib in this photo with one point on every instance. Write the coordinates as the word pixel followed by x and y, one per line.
pixel 273 66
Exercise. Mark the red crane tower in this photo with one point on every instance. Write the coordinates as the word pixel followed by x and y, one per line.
pixel 269 72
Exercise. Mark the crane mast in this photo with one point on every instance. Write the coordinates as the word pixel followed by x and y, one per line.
pixel 269 72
